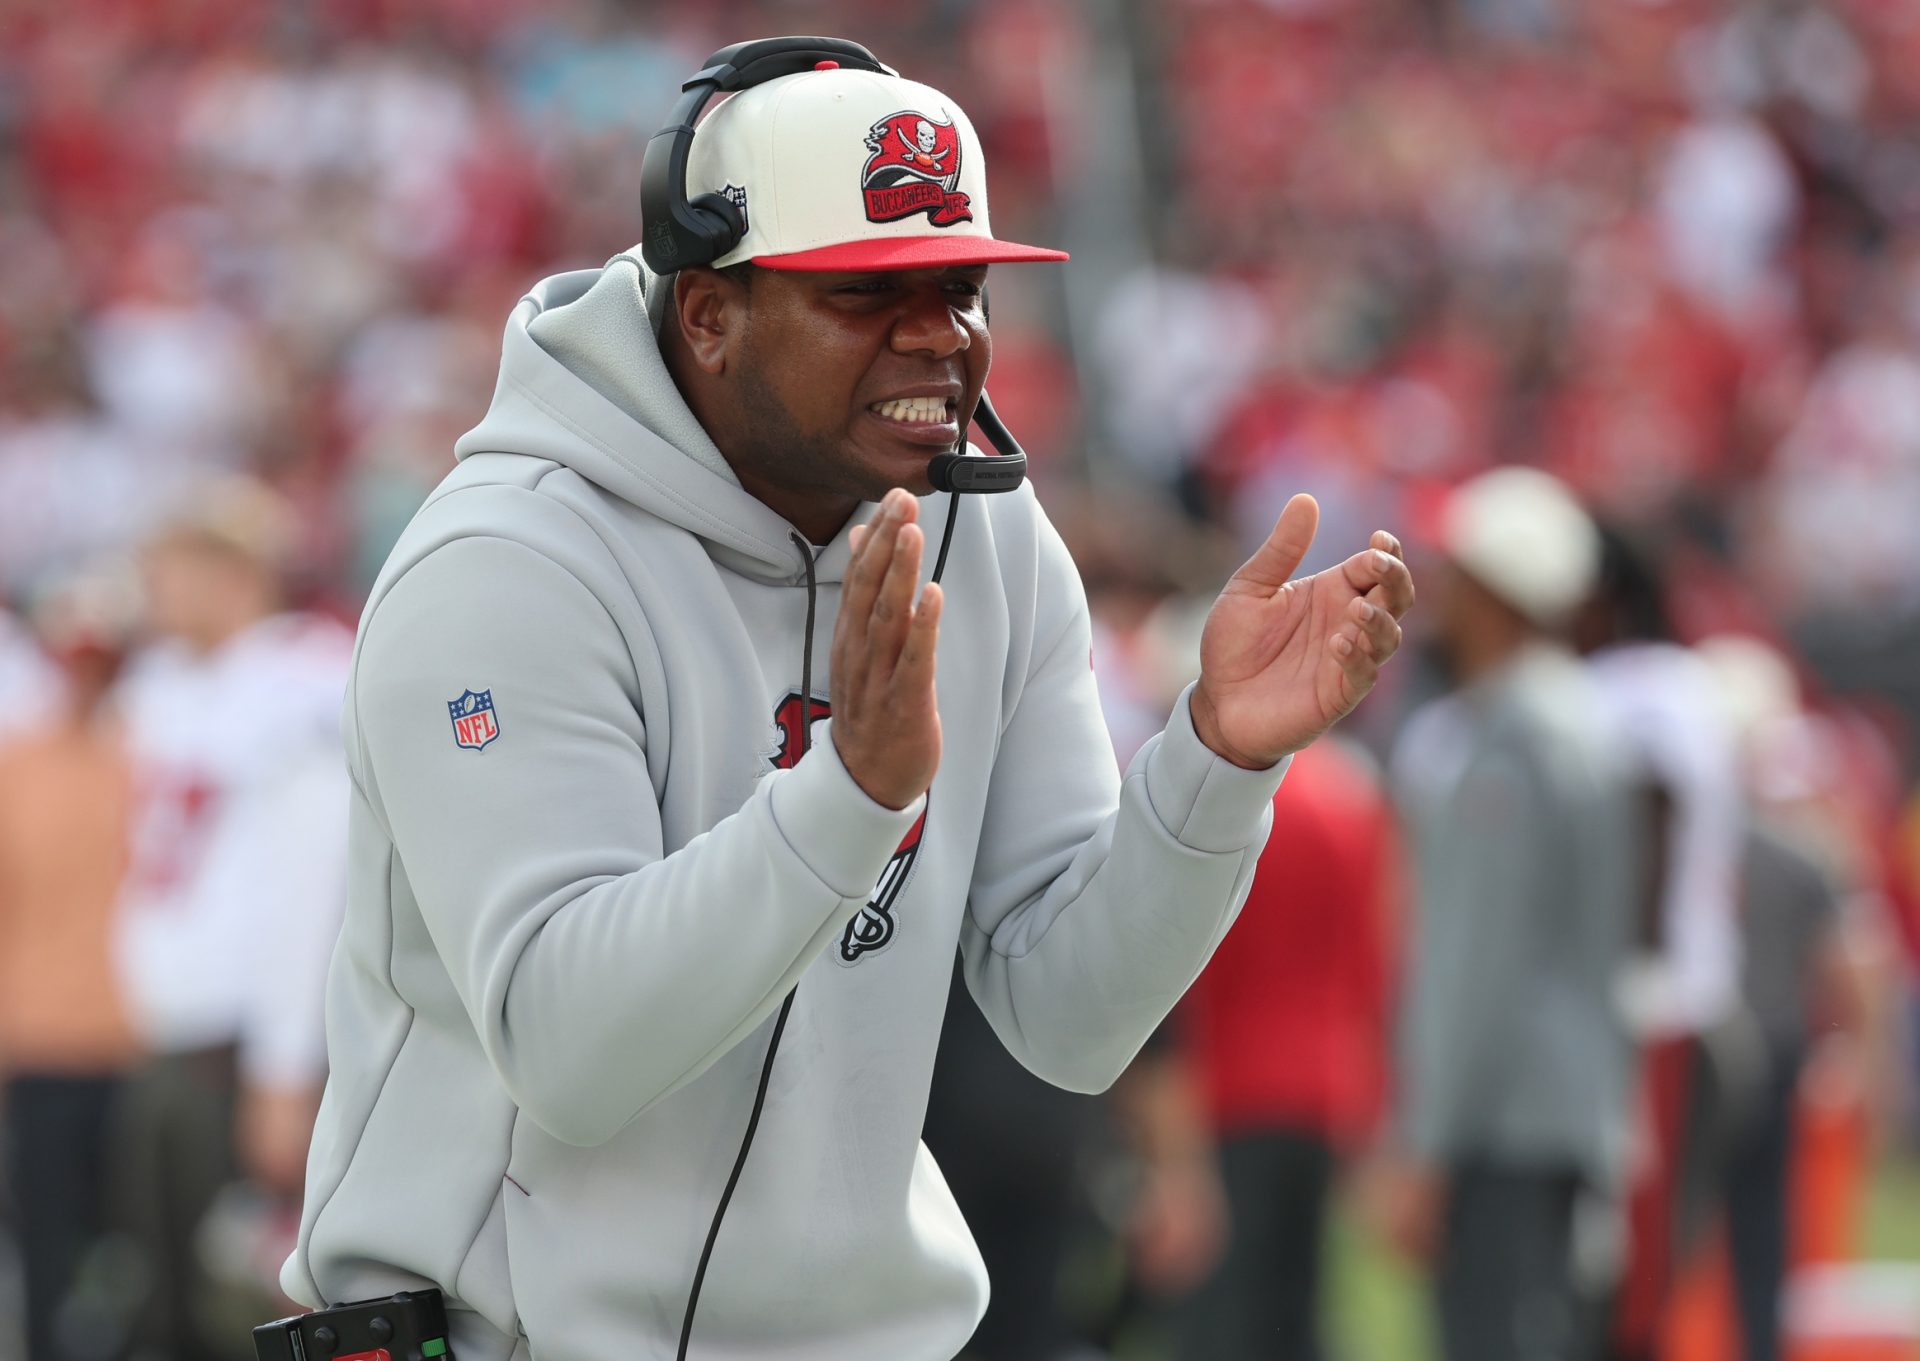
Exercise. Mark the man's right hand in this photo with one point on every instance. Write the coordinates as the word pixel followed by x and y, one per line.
pixel 885 724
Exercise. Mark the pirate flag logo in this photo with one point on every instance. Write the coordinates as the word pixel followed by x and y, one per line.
pixel 873 929
pixel 914 168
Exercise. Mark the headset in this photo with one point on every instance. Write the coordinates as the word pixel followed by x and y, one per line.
pixel 677 232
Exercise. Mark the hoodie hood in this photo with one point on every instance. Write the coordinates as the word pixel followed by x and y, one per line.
pixel 582 383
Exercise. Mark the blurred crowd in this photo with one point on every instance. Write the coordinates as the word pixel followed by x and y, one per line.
pixel 1583 997
pixel 1609 891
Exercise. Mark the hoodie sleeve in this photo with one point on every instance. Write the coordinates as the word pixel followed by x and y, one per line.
pixel 537 861
pixel 1087 921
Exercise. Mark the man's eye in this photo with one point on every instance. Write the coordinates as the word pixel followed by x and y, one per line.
pixel 867 286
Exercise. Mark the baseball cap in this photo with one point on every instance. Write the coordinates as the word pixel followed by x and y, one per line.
pixel 837 169
pixel 1520 533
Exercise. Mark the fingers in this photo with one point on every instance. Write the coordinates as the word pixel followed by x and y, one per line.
pixel 886 727
pixel 914 674
pixel 1275 560
pixel 877 615
pixel 1364 642
pixel 893 605
pixel 1381 575
pixel 873 553
pixel 1377 632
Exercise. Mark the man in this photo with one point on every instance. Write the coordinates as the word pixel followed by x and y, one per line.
pixel 1801 978
pixel 65 1041
pixel 234 885
pixel 1514 1069
pixel 664 941
pixel 1681 987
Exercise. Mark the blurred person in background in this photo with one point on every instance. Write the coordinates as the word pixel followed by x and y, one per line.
pixel 1013 1149
pixel 1799 980
pixel 1513 1083
pixel 72 485
pixel 1276 1071
pixel 235 891
pixel 1681 990
pixel 65 1041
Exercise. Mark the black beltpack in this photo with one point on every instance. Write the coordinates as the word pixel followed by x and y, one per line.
pixel 409 1326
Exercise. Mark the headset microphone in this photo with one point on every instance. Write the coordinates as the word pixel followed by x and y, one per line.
pixel 953 472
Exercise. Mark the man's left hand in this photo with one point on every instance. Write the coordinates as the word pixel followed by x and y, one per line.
pixel 1281 661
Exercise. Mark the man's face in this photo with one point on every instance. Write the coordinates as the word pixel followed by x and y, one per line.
pixel 850 384
pixel 191 587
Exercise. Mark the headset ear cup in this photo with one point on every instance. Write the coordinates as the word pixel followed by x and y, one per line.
pixel 720 222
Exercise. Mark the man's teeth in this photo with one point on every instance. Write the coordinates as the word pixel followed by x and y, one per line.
pixel 919 410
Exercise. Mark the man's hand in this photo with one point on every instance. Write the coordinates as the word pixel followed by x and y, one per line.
pixel 885 725
pixel 1281 661
pixel 1405 1203
pixel 1179 1227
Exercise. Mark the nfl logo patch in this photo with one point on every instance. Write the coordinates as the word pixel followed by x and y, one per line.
pixel 473 722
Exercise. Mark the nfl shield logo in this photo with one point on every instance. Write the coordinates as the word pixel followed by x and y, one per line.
pixel 473 722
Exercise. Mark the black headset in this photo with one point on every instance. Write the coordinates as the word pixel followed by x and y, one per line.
pixel 677 232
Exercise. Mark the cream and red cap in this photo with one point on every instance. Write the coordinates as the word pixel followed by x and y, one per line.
pixel 1523 535
pixel 837 169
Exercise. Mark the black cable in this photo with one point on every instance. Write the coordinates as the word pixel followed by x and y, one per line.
pixel 780 1025
pixel 739 1164
pixel 806 649
pixel 946 539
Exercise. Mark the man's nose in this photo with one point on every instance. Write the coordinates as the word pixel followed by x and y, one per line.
pixel 931 325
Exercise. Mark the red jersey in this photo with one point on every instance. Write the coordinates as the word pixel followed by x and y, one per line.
pixel 1288 1026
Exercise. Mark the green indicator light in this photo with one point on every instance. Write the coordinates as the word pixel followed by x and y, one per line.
pixel 436 1346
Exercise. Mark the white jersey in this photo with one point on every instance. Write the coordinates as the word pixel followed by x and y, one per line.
pixel 1669 714
pixel 237 879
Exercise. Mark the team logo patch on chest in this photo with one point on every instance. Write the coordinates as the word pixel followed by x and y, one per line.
pixel 873 930
pixel 474 723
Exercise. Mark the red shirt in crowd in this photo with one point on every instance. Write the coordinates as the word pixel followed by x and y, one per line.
pixel 1288 1026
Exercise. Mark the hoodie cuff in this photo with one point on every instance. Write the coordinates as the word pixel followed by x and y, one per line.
pixel 843 836
pixel 1206 801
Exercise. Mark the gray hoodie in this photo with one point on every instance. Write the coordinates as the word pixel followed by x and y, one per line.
pixel 588 866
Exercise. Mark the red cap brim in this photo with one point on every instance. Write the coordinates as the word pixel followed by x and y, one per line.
pixel 909 252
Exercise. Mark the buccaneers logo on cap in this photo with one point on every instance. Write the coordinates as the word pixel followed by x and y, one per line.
pixel 913 169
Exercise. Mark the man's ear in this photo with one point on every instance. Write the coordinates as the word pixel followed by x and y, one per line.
pixel 711 310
